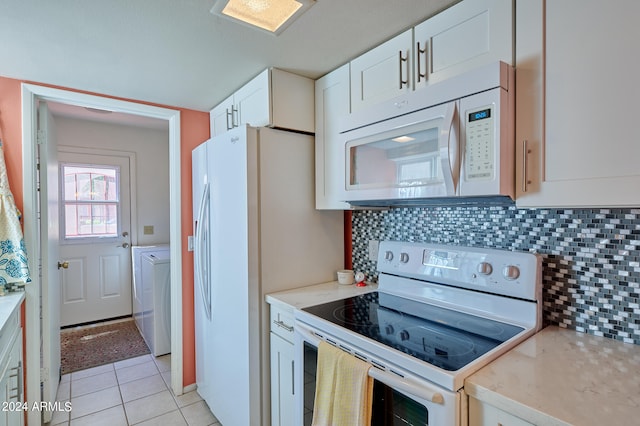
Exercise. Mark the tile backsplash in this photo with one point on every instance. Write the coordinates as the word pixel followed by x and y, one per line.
pixel 590 257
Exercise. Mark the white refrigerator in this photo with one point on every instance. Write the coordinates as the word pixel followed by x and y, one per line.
pixel 263 234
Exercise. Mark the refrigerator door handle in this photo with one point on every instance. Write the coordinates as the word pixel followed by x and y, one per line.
pixel 202 252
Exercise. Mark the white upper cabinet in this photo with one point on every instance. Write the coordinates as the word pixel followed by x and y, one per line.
pixel 221 117
pixel 383 72
pixel 574 122
pixel 467 35
pixel 274 98
pixel 332 103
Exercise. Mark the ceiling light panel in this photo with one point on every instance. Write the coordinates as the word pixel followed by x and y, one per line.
pixel 269 15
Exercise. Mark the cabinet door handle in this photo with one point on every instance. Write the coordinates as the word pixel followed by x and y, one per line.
pixel 400 61
pixel 281 324
pixel 234 114
pixel 418 53
pixel 525 154
pixel 229 114
pixel 293 392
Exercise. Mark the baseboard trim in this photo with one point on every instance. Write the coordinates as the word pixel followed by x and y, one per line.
pixel 190 388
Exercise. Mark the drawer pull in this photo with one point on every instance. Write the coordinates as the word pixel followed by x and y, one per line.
pixel 18 388
pixel 281 324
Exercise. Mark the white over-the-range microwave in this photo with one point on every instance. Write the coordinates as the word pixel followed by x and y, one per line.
pixel 452 139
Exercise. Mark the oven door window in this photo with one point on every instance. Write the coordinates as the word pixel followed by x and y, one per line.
pixel 390 407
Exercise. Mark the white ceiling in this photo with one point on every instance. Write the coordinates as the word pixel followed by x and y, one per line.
pixel 176 53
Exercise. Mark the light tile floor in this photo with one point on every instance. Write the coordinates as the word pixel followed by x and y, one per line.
pixel 135 391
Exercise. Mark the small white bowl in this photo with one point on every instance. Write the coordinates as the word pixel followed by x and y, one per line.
pixel 346 277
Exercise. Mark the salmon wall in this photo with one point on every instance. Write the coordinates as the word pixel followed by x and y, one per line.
pixel 194 129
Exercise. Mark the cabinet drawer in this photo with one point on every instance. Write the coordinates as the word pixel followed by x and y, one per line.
pixel 282 322
pixel 7 332
pixel 483 414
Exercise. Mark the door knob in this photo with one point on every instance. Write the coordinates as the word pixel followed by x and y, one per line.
pixel 125 245
pixel 63 265
pixel 125 233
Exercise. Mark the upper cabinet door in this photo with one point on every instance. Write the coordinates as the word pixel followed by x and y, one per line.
pixel 274 98
pixel 382 73
pixel 222 117
pixel 575 127
pixel 470 34
pixel 332 104
pixel 252 101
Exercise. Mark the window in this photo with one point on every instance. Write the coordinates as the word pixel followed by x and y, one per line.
pixel 90 199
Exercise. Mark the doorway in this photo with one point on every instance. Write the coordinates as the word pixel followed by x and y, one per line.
pixel 95 235
pixel 32 96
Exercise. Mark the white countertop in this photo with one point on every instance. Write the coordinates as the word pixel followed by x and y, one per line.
pixel 560 377
pixel 316 294
pixel 8 304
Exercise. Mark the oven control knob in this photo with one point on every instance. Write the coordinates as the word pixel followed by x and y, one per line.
pixel 404 257
pixel 485 268
pixel 388 329
pixel 388 255
pixel 511 272
pixel 404 335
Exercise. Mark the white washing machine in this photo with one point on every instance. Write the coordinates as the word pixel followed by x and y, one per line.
pixel 136 266
pixel 156 301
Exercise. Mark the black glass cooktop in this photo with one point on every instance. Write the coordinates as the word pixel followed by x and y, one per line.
pixel 442 337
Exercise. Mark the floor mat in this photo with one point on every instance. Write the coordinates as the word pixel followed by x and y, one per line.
pixel 100 344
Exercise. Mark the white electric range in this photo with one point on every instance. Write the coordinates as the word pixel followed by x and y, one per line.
pixel 439 314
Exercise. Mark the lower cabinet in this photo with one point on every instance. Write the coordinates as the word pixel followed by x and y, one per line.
pixel 11 375
pixel 282 389
pixel 283 392
pixel 483 414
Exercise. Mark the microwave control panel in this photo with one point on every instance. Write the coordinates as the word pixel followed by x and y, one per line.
pixel 479 146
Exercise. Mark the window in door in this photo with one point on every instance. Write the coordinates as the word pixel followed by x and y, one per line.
pixel 91 202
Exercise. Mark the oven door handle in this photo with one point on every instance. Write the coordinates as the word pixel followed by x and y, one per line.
pixel 402 383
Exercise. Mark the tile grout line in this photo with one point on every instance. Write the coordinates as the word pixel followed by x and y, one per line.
pixel 114 370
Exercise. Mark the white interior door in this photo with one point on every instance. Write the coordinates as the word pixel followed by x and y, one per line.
pixel 48 240
pixel 95 237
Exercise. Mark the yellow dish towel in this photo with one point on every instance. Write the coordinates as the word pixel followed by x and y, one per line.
pixel 344 390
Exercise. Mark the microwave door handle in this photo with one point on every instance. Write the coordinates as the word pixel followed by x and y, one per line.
pixel 405 384
pixel 449 168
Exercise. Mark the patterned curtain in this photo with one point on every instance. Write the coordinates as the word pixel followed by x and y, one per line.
pixel 14 267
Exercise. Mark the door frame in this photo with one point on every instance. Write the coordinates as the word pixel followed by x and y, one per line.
pixel 31 93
